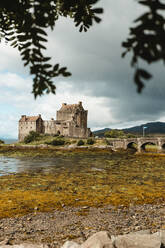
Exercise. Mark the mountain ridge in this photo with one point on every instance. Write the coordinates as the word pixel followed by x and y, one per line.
pixel 151 128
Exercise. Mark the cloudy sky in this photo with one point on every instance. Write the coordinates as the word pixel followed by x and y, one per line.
pixel 100 78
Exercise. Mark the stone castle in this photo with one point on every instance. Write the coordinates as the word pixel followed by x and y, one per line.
pixel 71 121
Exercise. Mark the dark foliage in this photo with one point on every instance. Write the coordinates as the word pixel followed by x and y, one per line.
pixel 146 40
pixel 90 141
pixel 1 141
pixel 61 136
pixel 23 24
pixel 56 142
pixel 114 133
pixel 100 133
pixel 80 143
pixel 107 142
pixel 32 136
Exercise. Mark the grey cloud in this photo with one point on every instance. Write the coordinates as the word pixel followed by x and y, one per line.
pixel 94 58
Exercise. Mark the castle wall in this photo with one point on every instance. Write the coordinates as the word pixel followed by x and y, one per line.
pixel 81 119
pixel 25 128
pixel 49 127
pixel 79 132
pixel 39 126
pixel 64 116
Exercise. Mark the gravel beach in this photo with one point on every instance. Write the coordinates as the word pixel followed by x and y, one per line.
pixel 79 223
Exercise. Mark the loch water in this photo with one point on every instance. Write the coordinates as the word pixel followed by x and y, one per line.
pixel 73 163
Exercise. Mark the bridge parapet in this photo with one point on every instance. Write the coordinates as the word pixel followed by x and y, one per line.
pixel 140 142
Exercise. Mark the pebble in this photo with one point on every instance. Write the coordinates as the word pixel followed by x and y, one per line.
pixel 59 226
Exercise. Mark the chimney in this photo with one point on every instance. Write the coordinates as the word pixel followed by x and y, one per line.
pixel 80 104
pixel 39 115
pixel 23 117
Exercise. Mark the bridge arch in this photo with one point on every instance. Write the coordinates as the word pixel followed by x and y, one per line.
pixel 132 145
pixel 163 146
pixel 143 146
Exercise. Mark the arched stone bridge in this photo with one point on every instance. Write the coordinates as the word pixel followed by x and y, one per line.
pixel 140 142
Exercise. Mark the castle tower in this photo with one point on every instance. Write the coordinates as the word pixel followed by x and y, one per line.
pixel 29 123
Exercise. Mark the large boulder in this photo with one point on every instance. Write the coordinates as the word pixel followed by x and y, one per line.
pixel 137 241
pixel 98 240
pixel 160 234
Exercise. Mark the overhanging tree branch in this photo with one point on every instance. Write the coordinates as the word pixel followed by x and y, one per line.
pixel 147 40
pixel 23 24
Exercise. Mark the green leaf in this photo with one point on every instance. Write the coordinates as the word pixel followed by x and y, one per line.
pixel 39 38
pixel 97 10
pixel 55 68
pixel 97 19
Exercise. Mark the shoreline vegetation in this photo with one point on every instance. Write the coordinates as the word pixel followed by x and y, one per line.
pixel 95 189
pixel 100 177
pixel 97 177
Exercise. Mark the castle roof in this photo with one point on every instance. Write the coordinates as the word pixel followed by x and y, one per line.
pixel 71 107
pixel 30 118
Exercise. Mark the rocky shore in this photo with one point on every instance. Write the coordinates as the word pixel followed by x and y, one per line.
pixel 78 224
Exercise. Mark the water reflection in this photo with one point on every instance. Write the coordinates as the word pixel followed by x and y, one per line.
pixel 15 165
pixel 73 164
pixel 8 165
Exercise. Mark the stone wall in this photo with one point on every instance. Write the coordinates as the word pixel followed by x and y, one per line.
pixel 49 127
pixel 64 116
pixel 25 128
pixel 28 124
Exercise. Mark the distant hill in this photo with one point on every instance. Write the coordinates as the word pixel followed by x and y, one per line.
pixel 101 132
pixel 152 128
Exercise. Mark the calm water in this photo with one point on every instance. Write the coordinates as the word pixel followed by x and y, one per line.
pixel 75 163
pixel 15 165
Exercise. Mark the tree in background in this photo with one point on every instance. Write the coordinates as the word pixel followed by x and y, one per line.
pixel 114 133
pixel 23 24
pixel 32 136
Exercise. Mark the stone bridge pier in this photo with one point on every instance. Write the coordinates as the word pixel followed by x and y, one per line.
pixel 139 142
